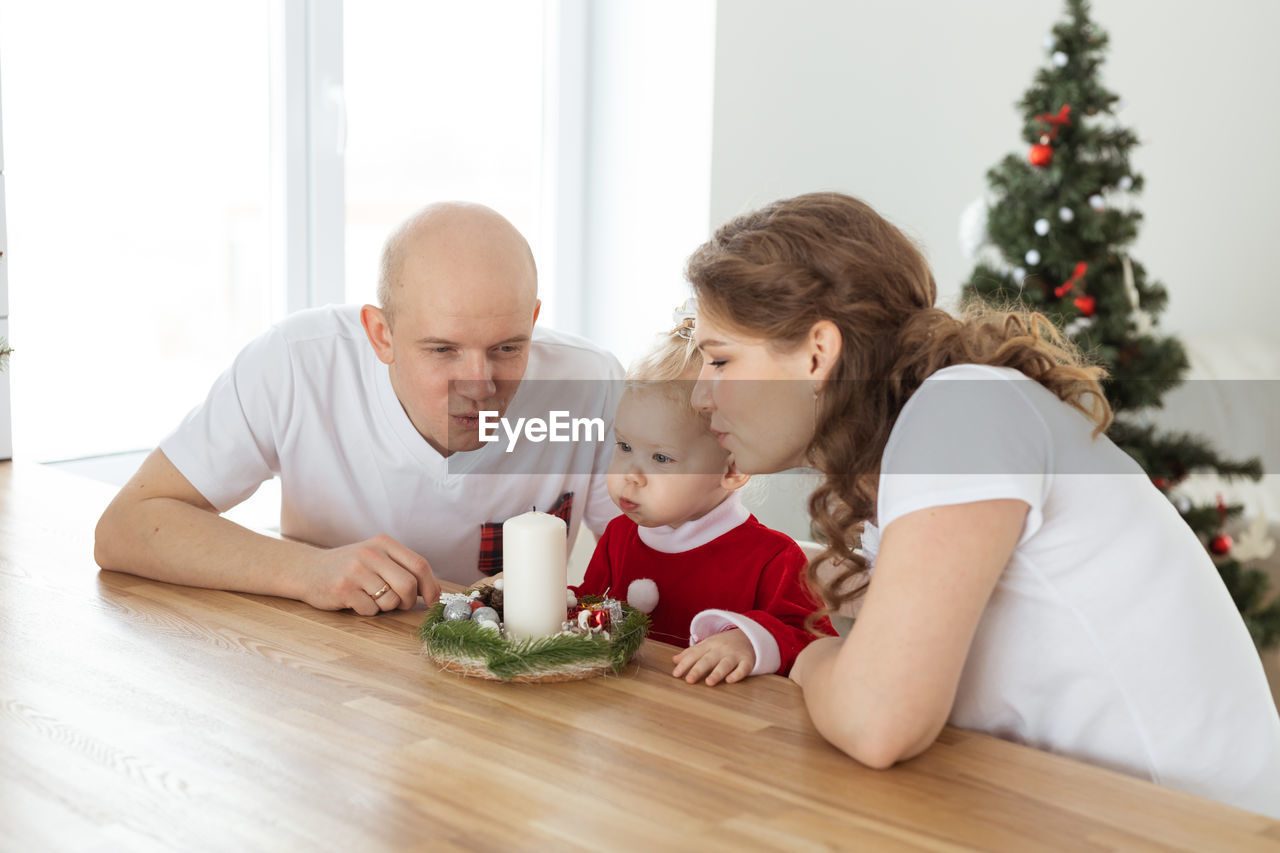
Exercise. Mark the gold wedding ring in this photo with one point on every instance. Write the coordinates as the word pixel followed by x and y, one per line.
pixel 376 595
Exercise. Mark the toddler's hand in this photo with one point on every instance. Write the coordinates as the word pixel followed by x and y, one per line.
pixel 727 656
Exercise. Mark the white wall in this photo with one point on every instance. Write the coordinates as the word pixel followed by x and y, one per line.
pixel 907 103
pixel 649 163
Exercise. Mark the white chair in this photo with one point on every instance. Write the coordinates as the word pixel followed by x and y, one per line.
pixel 840 621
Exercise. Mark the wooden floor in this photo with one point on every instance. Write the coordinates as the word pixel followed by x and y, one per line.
pixel 137 715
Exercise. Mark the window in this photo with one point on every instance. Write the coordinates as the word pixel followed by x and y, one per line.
pixel 165 202
pixel 136 157
pixel 444 101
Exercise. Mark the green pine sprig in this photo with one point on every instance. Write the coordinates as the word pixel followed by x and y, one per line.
pixel 467 641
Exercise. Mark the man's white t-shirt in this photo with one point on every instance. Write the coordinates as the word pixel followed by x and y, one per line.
pixel 310 402
pixel 1110 636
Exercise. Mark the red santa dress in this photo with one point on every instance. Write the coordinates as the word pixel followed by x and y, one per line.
pixel 724 570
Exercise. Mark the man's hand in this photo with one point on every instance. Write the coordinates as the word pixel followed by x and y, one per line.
pixel 370 577
pixel 727 656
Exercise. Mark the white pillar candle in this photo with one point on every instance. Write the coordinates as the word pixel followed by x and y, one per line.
pixel 534 575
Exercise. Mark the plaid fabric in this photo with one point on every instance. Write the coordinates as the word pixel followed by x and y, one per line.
pixel 491 535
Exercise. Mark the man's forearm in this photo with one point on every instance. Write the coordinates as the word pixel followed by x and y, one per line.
pixel 170 540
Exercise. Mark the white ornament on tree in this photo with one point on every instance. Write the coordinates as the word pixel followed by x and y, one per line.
pixel 1254 543
pixel 1066 214
pixel 1019 274
pixel 1125 183
pixel 1042 227
pixel 1097 202
pixel 973 227
pixel 1049 42
pixel 1077 325
pixel 1060 59
pixel 1032 257
pixel 1142 323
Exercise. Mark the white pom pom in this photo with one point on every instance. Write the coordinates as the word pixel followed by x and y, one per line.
pixel 1019 274
pixel 1125 183
pixel 1059 59
pixel 1066 214
pixel 1097 202
pixel 643 595
pixel 1042 227
pixel 569 598
pixel 973 227
pixel 1032 257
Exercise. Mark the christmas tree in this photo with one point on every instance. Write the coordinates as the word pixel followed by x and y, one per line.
pixel 1058 223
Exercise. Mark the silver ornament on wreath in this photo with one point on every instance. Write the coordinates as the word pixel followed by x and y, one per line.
pixel 457 611
pixel 483 614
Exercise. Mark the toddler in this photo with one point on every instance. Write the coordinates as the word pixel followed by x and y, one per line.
pixel 685 549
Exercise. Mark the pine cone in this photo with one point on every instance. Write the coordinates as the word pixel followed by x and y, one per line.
pixel 492 597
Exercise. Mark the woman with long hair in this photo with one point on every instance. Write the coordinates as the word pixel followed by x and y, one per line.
pixel 1018 574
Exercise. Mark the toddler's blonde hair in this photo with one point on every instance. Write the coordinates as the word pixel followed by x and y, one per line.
pixel 670 367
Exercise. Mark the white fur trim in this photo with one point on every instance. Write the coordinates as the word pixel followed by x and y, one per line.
pixel 709 622
pixel 694 534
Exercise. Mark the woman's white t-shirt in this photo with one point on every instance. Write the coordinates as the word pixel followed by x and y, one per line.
pixel 1110 636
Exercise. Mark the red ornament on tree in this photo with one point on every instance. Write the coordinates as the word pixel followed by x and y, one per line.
pixel 1086 304
pixel 1064 288
pixel 1041 154
pixel 1221 544
pixel 1160 483
pixel 1055 122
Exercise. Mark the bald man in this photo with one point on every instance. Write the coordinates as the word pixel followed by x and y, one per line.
pixel 370 418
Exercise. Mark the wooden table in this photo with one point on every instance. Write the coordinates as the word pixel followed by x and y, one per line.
pixel 138 715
